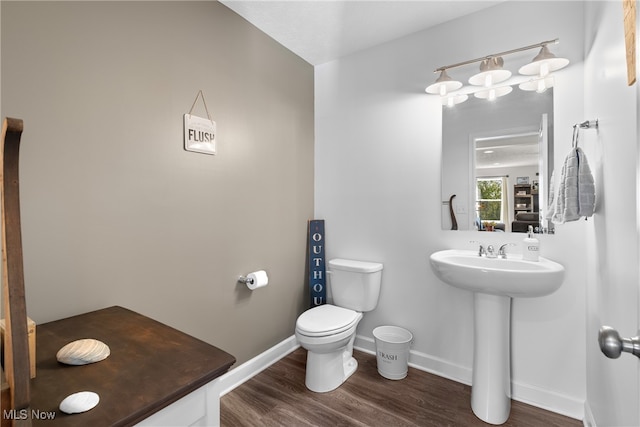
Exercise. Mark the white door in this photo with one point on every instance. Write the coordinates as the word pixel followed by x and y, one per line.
pixel 613 384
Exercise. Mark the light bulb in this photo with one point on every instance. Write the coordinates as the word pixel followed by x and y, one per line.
pixel 544 69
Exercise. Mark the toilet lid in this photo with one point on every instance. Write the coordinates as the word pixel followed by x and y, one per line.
pixel 326 319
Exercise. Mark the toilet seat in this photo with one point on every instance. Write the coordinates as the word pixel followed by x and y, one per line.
pixel 326 320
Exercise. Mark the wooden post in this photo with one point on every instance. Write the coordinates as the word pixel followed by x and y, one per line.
pixel 16 355
pixel 629 12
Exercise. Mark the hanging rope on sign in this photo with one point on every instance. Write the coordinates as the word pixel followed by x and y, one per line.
pixel 201 95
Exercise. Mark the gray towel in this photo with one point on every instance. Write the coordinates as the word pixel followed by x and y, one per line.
pixel 576 194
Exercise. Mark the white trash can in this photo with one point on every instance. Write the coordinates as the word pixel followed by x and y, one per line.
pixel 392 351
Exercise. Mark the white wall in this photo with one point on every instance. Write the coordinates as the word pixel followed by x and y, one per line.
pixel 377 184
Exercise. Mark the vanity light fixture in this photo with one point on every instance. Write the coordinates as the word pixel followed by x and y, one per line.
pixel 491 72
pixel 494 81
pixel 443 85
pixel 544 63
pixel 492 93
pixel 454 99
pixel 539 85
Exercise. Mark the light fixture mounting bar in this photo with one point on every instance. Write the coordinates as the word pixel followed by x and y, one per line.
pixel 506 52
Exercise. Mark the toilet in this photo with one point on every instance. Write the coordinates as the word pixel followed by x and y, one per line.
pixel 328 331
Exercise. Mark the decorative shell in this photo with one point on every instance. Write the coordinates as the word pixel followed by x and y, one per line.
pixel 79 402
pixel 83 352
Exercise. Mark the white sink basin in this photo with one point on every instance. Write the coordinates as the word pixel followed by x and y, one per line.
pixel 494 281
pixel 512 277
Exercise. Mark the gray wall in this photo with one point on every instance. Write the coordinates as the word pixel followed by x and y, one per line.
pixel 114 211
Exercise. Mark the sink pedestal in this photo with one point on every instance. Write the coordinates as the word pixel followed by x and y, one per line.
pixel 494 282
pixel 491 386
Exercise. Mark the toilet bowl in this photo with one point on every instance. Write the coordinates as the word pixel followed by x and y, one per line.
pixel 328 331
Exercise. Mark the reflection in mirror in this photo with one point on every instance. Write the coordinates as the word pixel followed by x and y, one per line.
pixel 497 157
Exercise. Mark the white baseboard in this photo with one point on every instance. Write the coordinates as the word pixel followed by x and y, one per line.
pixel 423 362
pixel 244 372
pixel 531 395
pixel 203 405
pixel 549 400
pixel 589 420
pixel 525 393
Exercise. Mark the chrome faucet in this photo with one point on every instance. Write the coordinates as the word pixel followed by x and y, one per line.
pixel 481 250
pixel 502 253
pixel 491 252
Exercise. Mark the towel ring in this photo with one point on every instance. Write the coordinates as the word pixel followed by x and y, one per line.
pixel 587 124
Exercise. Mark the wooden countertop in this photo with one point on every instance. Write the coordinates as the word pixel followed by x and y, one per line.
pixel 151 366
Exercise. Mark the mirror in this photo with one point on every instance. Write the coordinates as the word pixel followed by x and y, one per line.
pixel 497 158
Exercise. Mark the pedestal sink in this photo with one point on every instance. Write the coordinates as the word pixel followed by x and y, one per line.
pixel 494 282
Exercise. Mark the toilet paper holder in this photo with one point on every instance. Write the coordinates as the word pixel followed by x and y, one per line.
pixel 245 280
pixel 255 280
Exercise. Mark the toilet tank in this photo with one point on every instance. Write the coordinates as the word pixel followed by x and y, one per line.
pixel 355 284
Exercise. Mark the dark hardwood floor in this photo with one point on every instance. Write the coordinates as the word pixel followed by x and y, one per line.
pixel 278 397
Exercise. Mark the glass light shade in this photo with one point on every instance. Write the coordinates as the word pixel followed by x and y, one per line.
pixel 544 63
pixel 443 85
pixel 539 85
pixel 491 73
pixel 452 100
pixel 493 93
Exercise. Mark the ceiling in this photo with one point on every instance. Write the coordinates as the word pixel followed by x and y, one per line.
pixel 320 31
pixel 508 152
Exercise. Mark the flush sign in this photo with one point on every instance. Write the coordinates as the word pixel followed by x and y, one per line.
pixel 199 134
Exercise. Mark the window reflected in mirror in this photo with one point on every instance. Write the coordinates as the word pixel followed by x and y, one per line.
pixel 491 198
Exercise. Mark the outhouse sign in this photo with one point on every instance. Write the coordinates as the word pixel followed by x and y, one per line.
pixel 316 257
